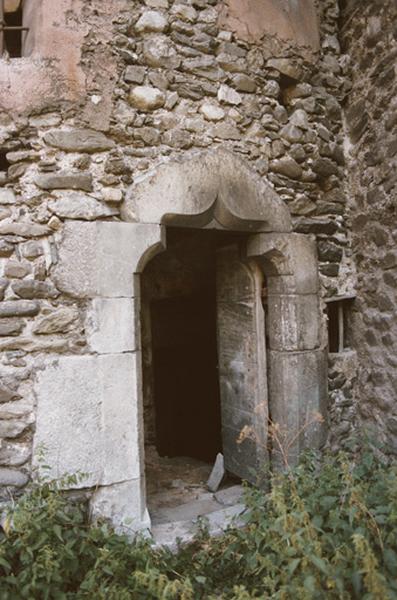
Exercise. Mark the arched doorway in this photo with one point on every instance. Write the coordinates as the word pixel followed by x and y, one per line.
pixel 102 263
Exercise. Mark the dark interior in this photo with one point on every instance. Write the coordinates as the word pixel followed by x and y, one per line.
pixel 186 390
pixel 333 327
pixel 13 37
pixel 179 285
pixel 4 164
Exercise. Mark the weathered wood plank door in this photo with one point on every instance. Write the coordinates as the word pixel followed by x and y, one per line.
pixel 242 364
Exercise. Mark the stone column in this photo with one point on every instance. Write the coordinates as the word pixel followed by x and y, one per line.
pixel 89 406
pixel 297 363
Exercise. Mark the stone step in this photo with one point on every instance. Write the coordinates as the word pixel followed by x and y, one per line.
pixel 182 532
pixel 204 503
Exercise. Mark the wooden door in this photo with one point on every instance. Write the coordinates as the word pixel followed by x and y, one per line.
pixel 242 364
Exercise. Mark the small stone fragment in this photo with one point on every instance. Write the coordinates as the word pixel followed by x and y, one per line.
pixel 46 120
pixel 14 454
pixel 271 89
pixel 54 223
pixel 151 21
pixel 286 166
pixel 24 229
pixel 226 131
pixel 7 196
pixel 11 428
pixel 145 97
pixel 78 140
pixel 64 180
pixel 16 171
pixel 184 12
pixel 12 477
pixel 331 43
pixel 292 134
pixel 243 83
pixel 134 74
pixel 31 249
pixel 22 155
pixel 286 67
pixel 3 286
pixel 31 288
pixel 110 194
pixel 157 3
pixel 300 119
pixel 228 95
pixel 75 205
pixel 212 112
pixel 6 248
pixel 57 322
pixel 19 308
pixel 159 80
pixel 7 394
pixel 217 473
pixel 324 167
pixel 149 135
pixel 11 327
pixel 159 52
pixel 17 269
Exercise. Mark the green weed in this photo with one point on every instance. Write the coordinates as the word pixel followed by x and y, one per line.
pixel 327 529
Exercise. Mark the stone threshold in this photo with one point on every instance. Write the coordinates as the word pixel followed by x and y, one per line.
pixel 217 512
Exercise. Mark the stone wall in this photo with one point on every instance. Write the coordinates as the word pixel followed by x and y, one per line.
pixel 161 80
pixel 368 35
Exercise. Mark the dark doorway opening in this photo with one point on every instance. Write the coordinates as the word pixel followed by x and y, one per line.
pixel 186 388
pixel 180 307
pixel 13 32
pixel 179 338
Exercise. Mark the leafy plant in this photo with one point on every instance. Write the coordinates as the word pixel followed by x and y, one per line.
pixel 327 529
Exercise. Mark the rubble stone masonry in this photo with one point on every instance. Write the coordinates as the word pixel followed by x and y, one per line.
pixel 132 84
pixel 369 37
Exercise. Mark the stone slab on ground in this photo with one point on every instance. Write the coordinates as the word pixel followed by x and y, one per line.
pixel 183 532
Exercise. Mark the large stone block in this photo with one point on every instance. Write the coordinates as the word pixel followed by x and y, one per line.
pixel 210 185
pixel 87 417
pixel 298 400
pixel 111 326
pixel 100 259
pixel 289 260
pixel 123 504
pixel 293 322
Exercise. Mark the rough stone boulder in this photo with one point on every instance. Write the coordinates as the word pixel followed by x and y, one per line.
pixel 145 97
pixel 78 140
